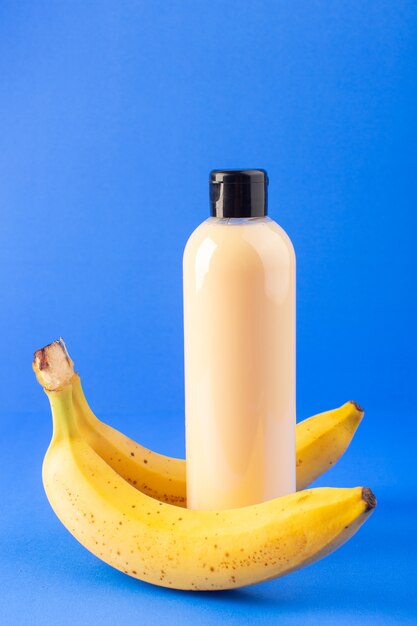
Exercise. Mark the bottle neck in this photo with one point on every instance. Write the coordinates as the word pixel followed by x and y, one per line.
pixel 238 220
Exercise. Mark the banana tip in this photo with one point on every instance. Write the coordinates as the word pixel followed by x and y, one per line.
pixel 357 406
pixel 369 498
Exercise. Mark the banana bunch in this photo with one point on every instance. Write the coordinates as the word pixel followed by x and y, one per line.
pixel 126 503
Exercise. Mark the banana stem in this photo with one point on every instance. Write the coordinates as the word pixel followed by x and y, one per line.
pixel 80 403
pixel 63 414
pixel 53 366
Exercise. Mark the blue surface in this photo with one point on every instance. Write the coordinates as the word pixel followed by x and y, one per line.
pixel 111 115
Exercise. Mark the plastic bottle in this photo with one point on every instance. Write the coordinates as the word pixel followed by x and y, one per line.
pixel 239 349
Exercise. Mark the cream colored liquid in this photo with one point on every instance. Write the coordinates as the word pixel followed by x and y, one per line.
pixel 239 334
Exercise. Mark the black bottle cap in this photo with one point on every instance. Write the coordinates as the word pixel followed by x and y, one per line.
pixel 238 193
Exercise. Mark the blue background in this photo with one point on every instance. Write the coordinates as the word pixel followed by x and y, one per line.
pixel 111 115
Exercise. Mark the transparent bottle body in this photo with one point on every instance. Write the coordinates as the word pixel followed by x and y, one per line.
pixel 239 351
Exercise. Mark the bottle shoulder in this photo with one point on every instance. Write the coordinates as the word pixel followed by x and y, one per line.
pixel 282 235
pixel 261 237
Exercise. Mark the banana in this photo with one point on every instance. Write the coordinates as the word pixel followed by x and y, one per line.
pixel 181 548
pixel 320 440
